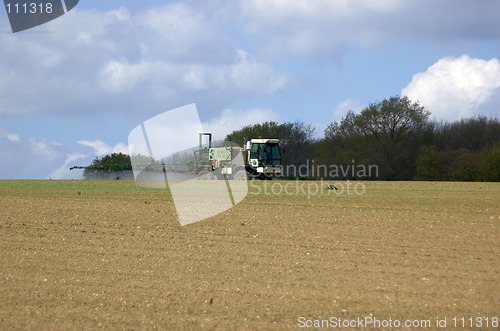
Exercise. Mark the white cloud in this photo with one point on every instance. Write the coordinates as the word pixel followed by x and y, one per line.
pixel 43 148
pixel 325 29
pixel 250 75
pixel 345 106
pixel 246 75
pixel 121 76
pixel 29 158
pixel 150 59
pixel 178 24
pixel 13 137
pixel 212 53
pixel 230 120
pixel 120 148
pixel 101 148
pixel 456 87
pixel 63 171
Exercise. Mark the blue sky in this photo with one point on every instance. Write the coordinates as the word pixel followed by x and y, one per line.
pixel 72 89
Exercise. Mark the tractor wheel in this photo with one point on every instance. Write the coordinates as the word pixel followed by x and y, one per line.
pixel 206 175
pixel 240 175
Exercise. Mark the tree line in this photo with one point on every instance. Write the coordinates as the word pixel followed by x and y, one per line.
pixel 397 135
pixel 394 135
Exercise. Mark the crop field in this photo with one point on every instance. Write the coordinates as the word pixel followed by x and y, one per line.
pixel 110 254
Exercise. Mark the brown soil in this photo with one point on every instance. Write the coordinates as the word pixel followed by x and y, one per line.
pixel 90 254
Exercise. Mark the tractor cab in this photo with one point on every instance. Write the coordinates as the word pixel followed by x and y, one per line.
pixel 264 156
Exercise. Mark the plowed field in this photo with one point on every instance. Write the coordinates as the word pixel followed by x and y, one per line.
pixel 90 254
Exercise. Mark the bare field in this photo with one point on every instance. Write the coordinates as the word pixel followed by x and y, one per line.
pixel 90 254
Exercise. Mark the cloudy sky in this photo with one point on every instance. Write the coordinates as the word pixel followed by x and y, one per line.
pixel 74 88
